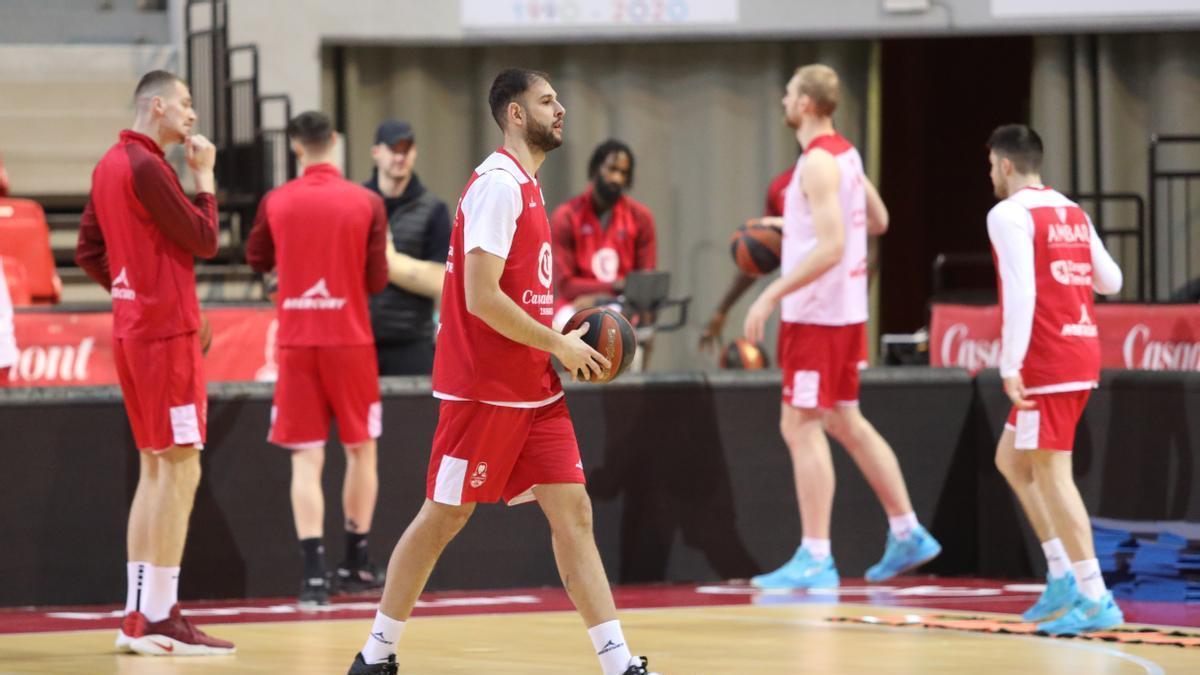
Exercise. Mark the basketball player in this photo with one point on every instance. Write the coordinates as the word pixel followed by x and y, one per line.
pixel 1049 260
pixel 138 238
pixel 327 238
pixel 503 427
pixel 830 209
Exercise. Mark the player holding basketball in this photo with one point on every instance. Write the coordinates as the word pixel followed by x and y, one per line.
pixel 1049 260
pixel 138 238
pixel 830 209
pixel 327 237
pixel 503 427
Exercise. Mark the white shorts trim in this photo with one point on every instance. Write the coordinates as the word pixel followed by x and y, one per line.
pixel 806 388
pixel 1063 387
pixel 502 404
pixel 185 424
pixel 375 420
pixel 1029 423
pixel 451 475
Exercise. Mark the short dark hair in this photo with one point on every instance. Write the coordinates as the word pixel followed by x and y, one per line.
pixel 1020 145
pixel 311 129
pixel 152 83
pixel 603 151
pixel 508 85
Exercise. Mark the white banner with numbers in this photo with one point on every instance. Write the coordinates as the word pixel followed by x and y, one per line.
pixel 1092 8
pixel 492 14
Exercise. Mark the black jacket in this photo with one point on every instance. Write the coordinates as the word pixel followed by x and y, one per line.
pixel 420 226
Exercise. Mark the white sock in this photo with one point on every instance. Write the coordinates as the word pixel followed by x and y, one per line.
pixel 819 549
pixel 135 573
pixel 1056 558
pixel 610 647
pixel 162 592
pixel 903 525
pixel 381 643
pixel 1091 581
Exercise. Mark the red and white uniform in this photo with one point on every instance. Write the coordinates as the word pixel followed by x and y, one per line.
pixel 139 237
pixel 588 257
pixel 327 238
pixel 822 336
pixel 1049 260
pixel 503 426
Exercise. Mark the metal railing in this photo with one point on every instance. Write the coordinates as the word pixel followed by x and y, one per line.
pixel 1173 217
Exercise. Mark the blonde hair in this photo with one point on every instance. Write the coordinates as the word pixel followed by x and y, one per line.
pixel 820 83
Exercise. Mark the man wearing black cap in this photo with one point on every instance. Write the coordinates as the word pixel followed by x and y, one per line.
pixel 419 227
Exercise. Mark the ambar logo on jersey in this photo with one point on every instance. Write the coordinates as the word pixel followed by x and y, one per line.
pixel 1061 233
pixel 318 297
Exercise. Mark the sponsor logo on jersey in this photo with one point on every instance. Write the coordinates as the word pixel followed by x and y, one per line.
pixel 545 269
pixel 1084 328
pixel 318 297
pixel 479 475
pixel 1063 234
pixel 1071 272
pixel 606 264
pixel 120 287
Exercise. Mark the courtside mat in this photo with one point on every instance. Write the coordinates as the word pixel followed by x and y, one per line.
pixel 1144 635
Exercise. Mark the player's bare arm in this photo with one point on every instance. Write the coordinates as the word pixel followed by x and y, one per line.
pixel 877 213
pixel 481 285
pixel 423 277
pixel 820 179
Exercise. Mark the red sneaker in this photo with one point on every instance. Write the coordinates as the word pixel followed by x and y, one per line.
pixel 176 636
pixel 133 626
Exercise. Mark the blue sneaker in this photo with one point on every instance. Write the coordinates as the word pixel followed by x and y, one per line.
pixel 1058 597
pixel 800 572
pixel 1086 616
pixel 902 555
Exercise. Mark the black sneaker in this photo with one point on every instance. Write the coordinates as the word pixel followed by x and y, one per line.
pixel 640 665
pixel 359 578
pixel 314 592
pixel 360 667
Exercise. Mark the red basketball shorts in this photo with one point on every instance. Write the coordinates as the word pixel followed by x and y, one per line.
pixel 820 364
pixel 1050 425
pixel 163 385
pixel 317 384
pixel 484 453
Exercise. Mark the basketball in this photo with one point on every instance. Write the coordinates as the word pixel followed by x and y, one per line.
pixel 755 248
pixel 741 354
pixel 608 333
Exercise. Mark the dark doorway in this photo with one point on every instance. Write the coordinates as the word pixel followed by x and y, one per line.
pixel 941 100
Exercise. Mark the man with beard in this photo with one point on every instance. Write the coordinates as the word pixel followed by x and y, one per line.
pixel 602 234
pixel 504 431
pixel 419 234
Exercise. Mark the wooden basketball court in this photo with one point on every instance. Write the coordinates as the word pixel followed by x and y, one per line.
pixel 782 639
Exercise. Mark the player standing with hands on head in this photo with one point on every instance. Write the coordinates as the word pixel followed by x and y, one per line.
pixel 327 237
pixel 504 431
pixel 830 209
pixel 138 238
pixel 1049 260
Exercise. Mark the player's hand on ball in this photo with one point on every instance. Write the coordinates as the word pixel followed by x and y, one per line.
pixel 1015 388
pixel 201 153
pixel 579 358
pixel 756 318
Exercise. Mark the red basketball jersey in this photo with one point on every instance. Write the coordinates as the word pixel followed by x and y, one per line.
pixel 1064 344
pixel 502 212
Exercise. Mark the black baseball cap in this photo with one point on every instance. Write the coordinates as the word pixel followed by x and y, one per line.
pixel 392 132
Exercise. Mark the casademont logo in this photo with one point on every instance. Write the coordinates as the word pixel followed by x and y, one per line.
pixel 318 297
pixel 120 287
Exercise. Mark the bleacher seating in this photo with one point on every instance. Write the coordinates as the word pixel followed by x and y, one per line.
pixel 25 238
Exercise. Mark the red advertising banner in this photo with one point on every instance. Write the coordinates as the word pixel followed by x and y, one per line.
pixel 75 348
pixel 1137 337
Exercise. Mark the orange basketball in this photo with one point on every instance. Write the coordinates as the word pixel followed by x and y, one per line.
pixel 741 354
pixel 608 333
pixel 756 248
